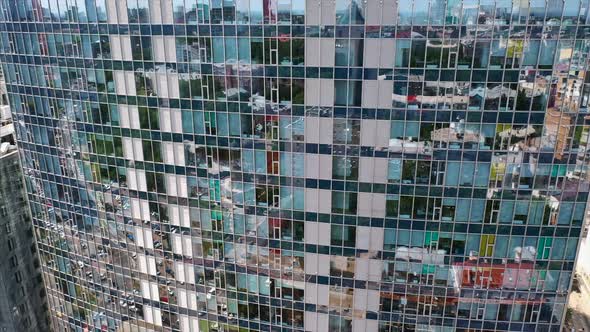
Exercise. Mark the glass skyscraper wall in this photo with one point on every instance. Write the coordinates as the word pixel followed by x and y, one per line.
pixel 291 165
pixel 23 305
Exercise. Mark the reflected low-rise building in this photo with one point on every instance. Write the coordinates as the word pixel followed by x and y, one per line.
pixel 325 165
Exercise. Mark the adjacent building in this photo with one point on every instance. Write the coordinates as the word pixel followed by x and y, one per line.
pixel 290 165
pixel 23 300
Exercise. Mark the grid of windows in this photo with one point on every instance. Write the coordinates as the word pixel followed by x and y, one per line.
pixel 325 165
pixel 21 289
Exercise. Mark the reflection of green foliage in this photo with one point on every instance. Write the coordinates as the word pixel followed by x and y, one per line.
pixel 207 248
pixel 104 173
pixel 256 50
pixel 144 119
pixel 433 55
pixel 500 127
pixel 497 168
pixel 203 325
pixel 417 53
pixel 95 172
pixel 578 133
pixel 298 51
pixel 284 49
pixel 118 144
pixel 77 312
pixel 140 86
pixel 91 298
pixel 408 169
pixel 103 144
pixel 298 94
pixel 514 46
pixel 152 151
pixel 184 88
pixel 78 290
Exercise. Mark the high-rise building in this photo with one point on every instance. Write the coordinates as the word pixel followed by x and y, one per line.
pixel 23 302
pixel 291 165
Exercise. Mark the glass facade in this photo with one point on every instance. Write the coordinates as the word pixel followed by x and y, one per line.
pixel 23 299
pixel 303 165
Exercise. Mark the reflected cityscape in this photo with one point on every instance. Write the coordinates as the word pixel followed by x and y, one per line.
pixel 286 165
